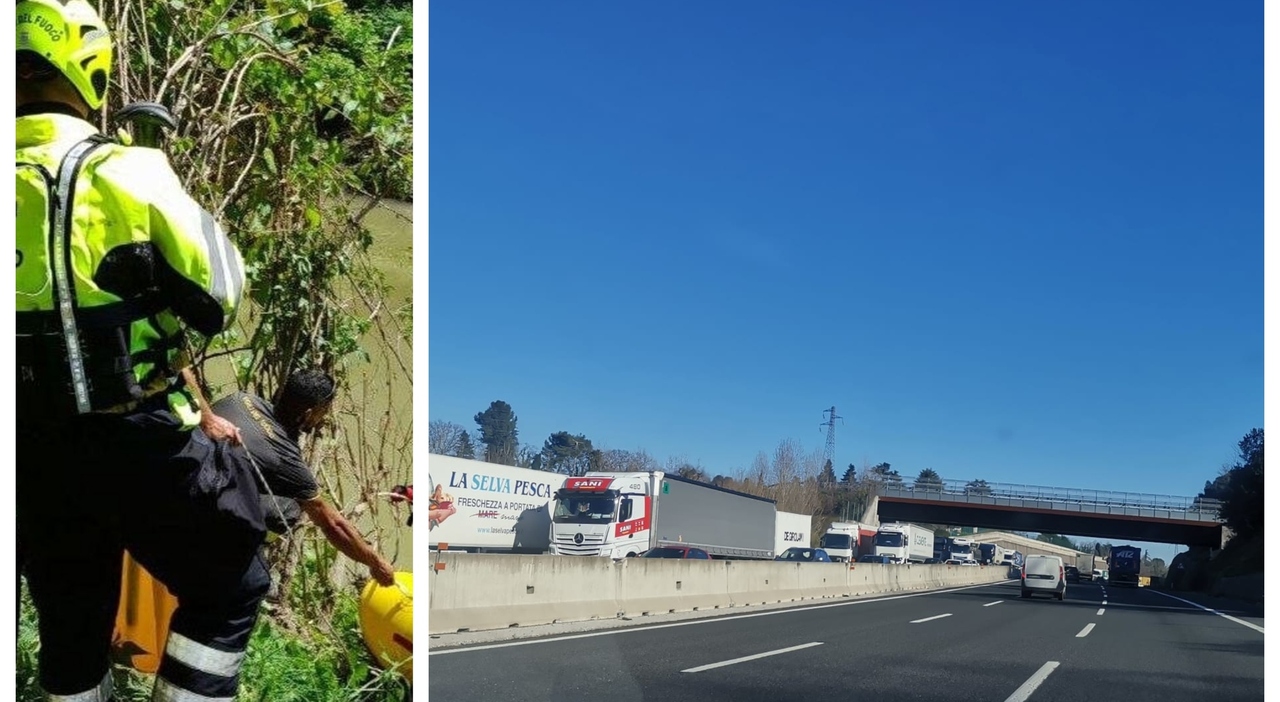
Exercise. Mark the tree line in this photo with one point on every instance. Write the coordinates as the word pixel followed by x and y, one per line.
pixel 798 479
pixel 1239 488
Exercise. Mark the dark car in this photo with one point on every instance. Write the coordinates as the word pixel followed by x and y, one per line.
pixel 1073 574
pixel 869 558
pixel 804 555
pixel 677 552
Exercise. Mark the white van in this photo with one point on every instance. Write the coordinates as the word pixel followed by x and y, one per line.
pixel 1045 575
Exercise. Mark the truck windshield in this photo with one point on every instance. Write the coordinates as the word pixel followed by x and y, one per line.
pixel 961 550
pixel 584 509
pixel 889 538
pixel 837 541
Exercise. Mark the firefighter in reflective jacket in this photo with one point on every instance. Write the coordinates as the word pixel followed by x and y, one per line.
pixel 115 262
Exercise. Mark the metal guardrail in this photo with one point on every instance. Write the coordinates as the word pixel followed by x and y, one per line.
pixel 1039 493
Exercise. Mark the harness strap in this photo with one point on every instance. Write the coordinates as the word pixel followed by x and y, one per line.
pixel 60 231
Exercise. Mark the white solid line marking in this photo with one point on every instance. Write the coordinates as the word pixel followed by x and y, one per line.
pixel 744 659
pixel 929 619
pixel 1251 625
pixel 1028 687
pixel 1100 611
pixel 993 603
pixel 1085 631
pixel 708 620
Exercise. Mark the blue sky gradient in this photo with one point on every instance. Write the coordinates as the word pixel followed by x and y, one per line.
pixel 1015 242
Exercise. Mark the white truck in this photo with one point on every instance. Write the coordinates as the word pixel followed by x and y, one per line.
pixel 842 540
pixel 619 515
pixel 961 550
pixel 488 508
pixel 791 530
pixel 904 543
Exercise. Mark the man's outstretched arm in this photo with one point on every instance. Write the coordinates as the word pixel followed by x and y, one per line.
pixel 343 535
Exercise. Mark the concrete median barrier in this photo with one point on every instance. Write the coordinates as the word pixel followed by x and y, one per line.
pixel 481 591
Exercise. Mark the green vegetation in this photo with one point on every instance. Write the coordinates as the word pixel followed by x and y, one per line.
pixel 1239 487
pixel 280 666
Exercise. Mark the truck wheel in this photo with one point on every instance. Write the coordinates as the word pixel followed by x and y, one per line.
pixel 631 555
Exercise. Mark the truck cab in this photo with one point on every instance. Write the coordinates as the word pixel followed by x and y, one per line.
pixel 904 543
pixel 604 514
pixel 841 542
pixel 961 550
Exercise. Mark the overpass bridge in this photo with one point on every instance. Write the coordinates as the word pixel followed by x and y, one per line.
pixel 1123 516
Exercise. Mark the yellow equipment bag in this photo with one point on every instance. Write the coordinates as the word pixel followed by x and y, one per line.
pixel 142 622
pixel 386 622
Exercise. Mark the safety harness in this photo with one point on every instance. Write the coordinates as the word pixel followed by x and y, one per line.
pixel 85 351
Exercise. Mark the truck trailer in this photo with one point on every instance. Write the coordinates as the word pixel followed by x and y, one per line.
pixel 1084 564
pixel 941 548
pixel 1124 565
pixel 620 515
pixel 990 554
pixel 791 530
pixel 488 508
pixel 904 543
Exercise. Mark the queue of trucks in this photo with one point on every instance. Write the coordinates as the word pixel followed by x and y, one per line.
pixel 487 508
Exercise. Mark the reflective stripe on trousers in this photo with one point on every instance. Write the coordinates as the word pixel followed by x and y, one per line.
pixel 207 669
pixel 100 693
pixel 166 691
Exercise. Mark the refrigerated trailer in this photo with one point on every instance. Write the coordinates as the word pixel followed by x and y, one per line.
pixel 791 530
pixel 488 508
pixel 619 515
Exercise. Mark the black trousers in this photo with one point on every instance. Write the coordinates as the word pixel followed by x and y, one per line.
pixel 90 487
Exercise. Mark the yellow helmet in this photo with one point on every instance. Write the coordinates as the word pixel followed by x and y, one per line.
pixel 71 36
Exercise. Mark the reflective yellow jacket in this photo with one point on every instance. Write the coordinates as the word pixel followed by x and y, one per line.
pixel 114 257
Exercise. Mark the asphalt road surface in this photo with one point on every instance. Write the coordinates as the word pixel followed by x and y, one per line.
pixel 981 643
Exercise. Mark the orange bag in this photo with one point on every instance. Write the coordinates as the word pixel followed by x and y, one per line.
pixel 142 622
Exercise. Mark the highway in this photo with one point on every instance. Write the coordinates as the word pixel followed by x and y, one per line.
pixel 971 644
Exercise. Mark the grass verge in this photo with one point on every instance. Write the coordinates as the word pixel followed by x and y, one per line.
pixel 279 667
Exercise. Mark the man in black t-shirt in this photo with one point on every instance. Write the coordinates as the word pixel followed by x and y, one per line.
pixel 269 444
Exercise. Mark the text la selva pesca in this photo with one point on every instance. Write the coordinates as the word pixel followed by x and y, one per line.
pixel 494 483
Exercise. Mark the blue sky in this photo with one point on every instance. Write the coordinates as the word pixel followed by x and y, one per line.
pixel 1021 242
